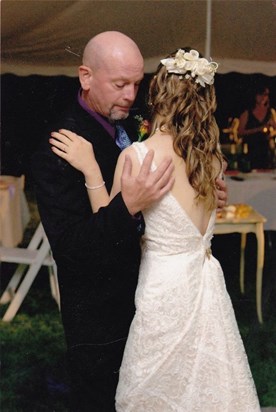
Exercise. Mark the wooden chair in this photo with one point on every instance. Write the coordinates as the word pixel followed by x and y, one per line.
pixel 29 260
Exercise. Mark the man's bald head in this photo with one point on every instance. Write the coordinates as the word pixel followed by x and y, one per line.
pixel 108 45
pixel 112 70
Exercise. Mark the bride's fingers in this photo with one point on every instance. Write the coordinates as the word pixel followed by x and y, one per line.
pixel 65 136
pixel 59 152
pixel 61 137
pixel 67 133
pixel 70 135
pixel 58 144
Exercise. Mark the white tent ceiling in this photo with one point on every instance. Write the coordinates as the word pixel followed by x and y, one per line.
pixel 46 37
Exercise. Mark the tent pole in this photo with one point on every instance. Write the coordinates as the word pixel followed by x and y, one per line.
pixel 208 29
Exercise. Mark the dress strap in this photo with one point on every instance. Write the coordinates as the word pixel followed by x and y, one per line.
pixel 141 151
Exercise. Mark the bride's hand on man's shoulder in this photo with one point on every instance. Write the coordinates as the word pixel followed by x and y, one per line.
pixel 73 148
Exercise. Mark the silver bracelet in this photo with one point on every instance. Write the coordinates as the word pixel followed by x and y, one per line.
pixel 94 187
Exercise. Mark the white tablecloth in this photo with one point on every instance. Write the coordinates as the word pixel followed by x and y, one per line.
pixel 14 210
pixel 258 190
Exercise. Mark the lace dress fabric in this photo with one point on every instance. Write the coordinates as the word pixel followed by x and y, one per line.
pixel 184 352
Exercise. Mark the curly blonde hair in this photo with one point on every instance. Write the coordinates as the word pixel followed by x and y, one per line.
pixel 186 110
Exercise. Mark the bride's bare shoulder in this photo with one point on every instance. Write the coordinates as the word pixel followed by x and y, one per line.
pixel 160 141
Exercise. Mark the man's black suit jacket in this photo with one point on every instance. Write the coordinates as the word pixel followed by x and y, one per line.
pixel 97 255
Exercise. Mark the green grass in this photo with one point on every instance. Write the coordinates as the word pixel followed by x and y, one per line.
pixel 259 342
pixel 33 374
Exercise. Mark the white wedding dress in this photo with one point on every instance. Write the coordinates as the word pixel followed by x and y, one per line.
pixel 184 352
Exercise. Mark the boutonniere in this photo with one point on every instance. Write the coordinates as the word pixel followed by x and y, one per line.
pixel 143 128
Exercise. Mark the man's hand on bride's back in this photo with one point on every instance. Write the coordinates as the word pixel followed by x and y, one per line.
pixel 147 187
pixel 221 192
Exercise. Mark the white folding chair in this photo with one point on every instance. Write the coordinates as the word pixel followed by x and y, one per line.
pixel 30 260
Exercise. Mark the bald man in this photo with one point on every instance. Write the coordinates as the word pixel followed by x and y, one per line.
pixel 97 255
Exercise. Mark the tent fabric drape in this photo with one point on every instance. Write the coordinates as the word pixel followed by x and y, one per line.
pixel 47 37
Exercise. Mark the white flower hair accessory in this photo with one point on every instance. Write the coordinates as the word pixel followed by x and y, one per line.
pixel 200 68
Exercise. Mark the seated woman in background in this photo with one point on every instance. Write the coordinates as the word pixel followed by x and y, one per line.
pixel 254 127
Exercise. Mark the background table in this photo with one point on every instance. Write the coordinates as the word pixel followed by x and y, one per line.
pixel 258 189
pixel 254 223
pixel 14 210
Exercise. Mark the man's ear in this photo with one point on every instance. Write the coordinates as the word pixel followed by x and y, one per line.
pixel 85 74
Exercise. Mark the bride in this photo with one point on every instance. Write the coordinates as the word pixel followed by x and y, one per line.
pixel 184 352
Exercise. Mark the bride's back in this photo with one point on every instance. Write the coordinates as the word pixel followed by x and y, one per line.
pixel 183 192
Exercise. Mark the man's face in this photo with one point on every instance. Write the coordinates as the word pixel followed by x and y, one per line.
pixel 113 88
